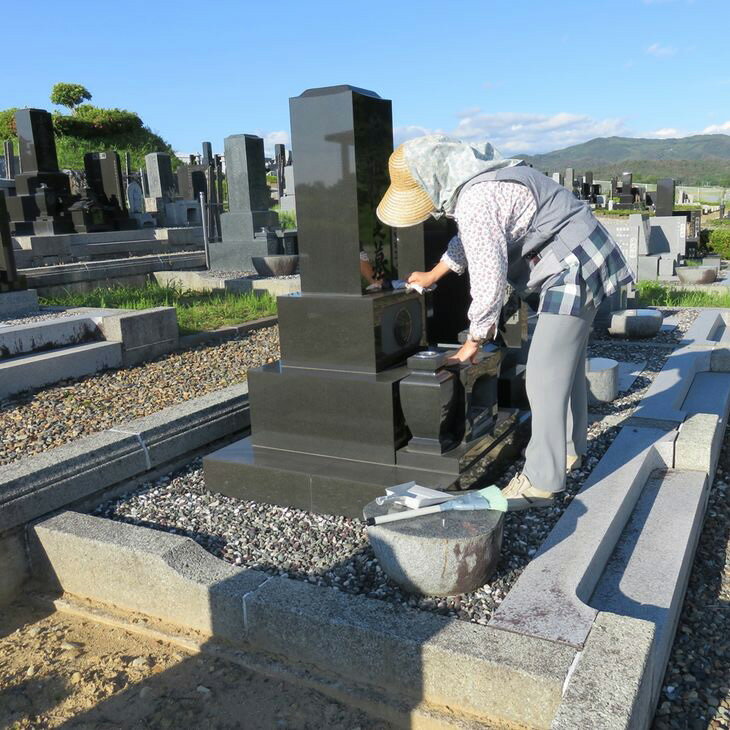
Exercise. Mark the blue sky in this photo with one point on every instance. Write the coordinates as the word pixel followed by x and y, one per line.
pixel 528 75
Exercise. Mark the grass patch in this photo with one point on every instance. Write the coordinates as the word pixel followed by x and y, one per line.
pixel 653 294
pixel 620 213
pixel 196 311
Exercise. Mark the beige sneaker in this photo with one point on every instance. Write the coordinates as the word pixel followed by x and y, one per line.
pixel 573 463
pixel 520 494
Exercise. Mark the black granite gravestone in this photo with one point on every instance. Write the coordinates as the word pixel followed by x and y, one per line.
pixel 664 202
pixel 104 178
pixel 9 155
pixel 191 181
pixel 43 192
pixel 328 430
pixel 160 180
pixel 10 280
pixel 244 227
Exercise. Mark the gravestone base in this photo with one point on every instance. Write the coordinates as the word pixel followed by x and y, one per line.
pixel 237 255
pixel 327 484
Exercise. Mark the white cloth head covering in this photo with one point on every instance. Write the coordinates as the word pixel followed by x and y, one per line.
pixel 441 165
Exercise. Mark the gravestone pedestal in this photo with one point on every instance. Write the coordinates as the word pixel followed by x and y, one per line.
pixel 444 554
pixel 341 415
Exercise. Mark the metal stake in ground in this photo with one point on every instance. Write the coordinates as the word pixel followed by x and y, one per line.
pixel 204 220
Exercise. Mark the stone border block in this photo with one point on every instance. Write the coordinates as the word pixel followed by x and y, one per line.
pixel 610 687
pixel 414 656
pixel 166 576
pixel 699 442
pixel 567 567
pixel 144 334
pixel 188 426
pixel 53 479
pixel 41 484
pixel 661 406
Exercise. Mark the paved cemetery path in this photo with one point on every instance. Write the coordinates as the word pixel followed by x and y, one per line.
pixel 58 670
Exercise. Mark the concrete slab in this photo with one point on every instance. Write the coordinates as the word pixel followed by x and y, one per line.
pixel 59 477
pixel 166 576
pixel 47 335
pixel 15 303
pixel 549 600
pixel 627 374
pixel 86 276
pixel 647 575
pixel 34 371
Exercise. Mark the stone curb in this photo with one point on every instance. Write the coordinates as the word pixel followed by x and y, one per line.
pixel 594 520
pixel 187 342
pixel 475 671
pixel 608 689
pixel 38 485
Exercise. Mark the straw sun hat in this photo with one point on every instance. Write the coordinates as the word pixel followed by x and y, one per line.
pixel 405 202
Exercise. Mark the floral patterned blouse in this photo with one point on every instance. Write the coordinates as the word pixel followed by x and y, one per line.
pixel 489 219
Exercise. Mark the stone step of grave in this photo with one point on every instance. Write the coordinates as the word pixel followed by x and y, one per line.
pixel 34 371
pixel 25 339
pixel 646 577
pixel 101 250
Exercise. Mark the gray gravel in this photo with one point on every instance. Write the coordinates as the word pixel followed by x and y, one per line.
pixel 228 274
pixel 39 315
pixel 43 419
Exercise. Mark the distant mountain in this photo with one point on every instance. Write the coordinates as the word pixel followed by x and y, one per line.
pixel 703 159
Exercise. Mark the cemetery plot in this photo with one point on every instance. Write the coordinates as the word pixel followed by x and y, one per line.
pixel 334 551
pixel 40 420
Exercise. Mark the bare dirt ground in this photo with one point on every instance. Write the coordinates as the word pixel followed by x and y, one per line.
pixel 61 671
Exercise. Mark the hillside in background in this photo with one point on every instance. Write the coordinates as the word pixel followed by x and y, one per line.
pixel 703 159
pixel 92 129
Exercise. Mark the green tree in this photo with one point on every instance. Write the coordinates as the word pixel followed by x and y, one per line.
pixel 70 95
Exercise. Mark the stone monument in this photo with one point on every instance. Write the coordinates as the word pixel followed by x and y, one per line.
pixel 104 179
pixel 10 280
pixel 664 203
pixel 349 409
pixel 248 227
pixel 43 192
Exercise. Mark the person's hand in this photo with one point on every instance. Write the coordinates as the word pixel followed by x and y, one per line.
pixel 423 279
pixel 466 353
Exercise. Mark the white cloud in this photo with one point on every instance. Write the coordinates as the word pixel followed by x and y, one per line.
pixel 663 133
pixel 271 138
pixel 659 51
pixel 717 129
pixel 514 133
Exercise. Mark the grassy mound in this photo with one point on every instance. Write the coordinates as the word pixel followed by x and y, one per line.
pixel 92 129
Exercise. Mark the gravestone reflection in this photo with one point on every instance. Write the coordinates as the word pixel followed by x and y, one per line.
pixel 345 413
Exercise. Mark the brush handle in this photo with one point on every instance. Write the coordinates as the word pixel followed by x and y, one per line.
pixel 407 515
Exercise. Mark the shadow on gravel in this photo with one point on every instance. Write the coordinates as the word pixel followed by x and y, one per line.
pixel 29 698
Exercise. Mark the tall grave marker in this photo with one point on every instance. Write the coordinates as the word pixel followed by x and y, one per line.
pixel 43 192
pixel 350 407
pixel 244 227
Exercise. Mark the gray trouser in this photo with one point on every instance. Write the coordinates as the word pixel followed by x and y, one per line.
pixel 558 395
